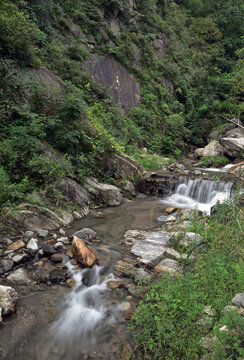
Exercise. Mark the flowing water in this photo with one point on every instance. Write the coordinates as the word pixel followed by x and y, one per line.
pixel 199 194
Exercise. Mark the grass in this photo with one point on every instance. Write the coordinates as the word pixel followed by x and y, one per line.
pixel 152 161
pixel 165 324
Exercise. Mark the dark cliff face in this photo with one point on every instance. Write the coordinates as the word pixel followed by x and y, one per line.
pixel 121 85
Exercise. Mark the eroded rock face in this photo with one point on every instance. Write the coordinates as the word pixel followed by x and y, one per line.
pixel 121 85
pixel 75 193
pixel 83 253
pixel 105 193
pixel 122 166
pixel 8 297
pixel 214 148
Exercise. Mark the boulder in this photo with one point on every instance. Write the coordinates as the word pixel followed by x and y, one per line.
pixel 214 148
pixel 104 193
pixel 237 169
pixel 76 194
pixel 83 253
pixel 131 237
pixel 8 297
pixel 128 187
pixel 19 276
pixel 88 235
pixel 233 147
pixel 5 266
pixel 48 249
pixel 153 248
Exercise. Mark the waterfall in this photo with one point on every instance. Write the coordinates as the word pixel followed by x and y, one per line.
pixel 85 314
pixel 198 193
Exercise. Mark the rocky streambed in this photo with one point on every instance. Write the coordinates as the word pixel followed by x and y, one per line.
pixel 69 293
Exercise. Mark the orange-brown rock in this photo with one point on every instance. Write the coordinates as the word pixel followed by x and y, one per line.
pixel 16 245
pixel 83 253
pixel 70 253
pixel 171 209
pixel 70 282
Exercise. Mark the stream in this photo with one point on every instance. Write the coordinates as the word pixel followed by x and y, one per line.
pixel 56 323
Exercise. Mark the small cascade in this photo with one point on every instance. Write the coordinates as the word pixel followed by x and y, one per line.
pixel 85 314
pixel 199 194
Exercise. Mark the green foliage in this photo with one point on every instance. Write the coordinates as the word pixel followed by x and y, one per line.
pixel 213 160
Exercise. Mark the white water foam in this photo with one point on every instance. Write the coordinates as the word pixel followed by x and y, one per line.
pixel 199 194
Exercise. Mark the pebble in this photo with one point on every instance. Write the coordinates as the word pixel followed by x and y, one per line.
pixel 57 258
pixel 33 245
pixel 19 244
pixel 20 258
pixel 59 245
pixel 42 233
pixel 62 232
pixel 64 240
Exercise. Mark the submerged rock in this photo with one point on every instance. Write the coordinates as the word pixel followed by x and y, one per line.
pixel 8 297
pixel 83 253
pixel 19 276
pixel 5 266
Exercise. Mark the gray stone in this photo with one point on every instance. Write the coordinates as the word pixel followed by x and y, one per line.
pixel 153 247
pixel 131 237
pixel 64 240
pixel 42 233
pixel 48 249
pixel 58 246
pixel 8 242
pixel 29 233
pixel 141 276
pixel 19 276
pixel 120 84
pixel 107 194
pixel 32 245
pixel 129 187
pixel 54 236
pixel 168 265
pixel 57 276
pixel 234 147
pixel 238 300
pixel 191 239
pixel 20 258
pixel 214 148
pixel 5 266
pixel 62 232
pixel 125 306
pixel 8 297
pixel 76 215
pixel 175 254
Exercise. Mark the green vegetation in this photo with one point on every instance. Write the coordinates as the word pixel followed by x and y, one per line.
pixel 213 160
pixel 168 321
pixel 187 57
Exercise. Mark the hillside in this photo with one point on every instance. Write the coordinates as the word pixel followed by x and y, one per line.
pixel 82 79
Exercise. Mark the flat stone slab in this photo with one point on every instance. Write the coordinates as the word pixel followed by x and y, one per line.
pixel 153 248
pixel 168 265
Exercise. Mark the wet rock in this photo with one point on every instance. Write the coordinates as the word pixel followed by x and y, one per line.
pixel 238 300
pixel 124 306
pixel 8 297
pixel 76 215
pixel 88 235
pixel 57 258
pixel 70 282
pixel 64 240
pixel 16 245
pixel 33 245
pixel 105 193
pixel 168 265
pixel 115 284
pixel 128 187
pixel 19 276
pixel 41 275
pixel 5 266
pixel 20 258
pixel 197 172
pixel 58 276
pixel 153 247
pixel 171 209
pixel 133 236
pixel 165 219
pixel 124 269
pixel 48 249
pixel 42 233
pixel 83 252
pixel 58 246
pixel 171 219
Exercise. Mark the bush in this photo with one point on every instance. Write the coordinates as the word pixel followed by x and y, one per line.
pixel 213 160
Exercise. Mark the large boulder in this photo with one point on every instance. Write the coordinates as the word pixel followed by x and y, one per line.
pixel 120 84
pixel 8 297
pixel 83 253
pixel 234 147
pixel 104 193
pixel 214 148
pixel 76 194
